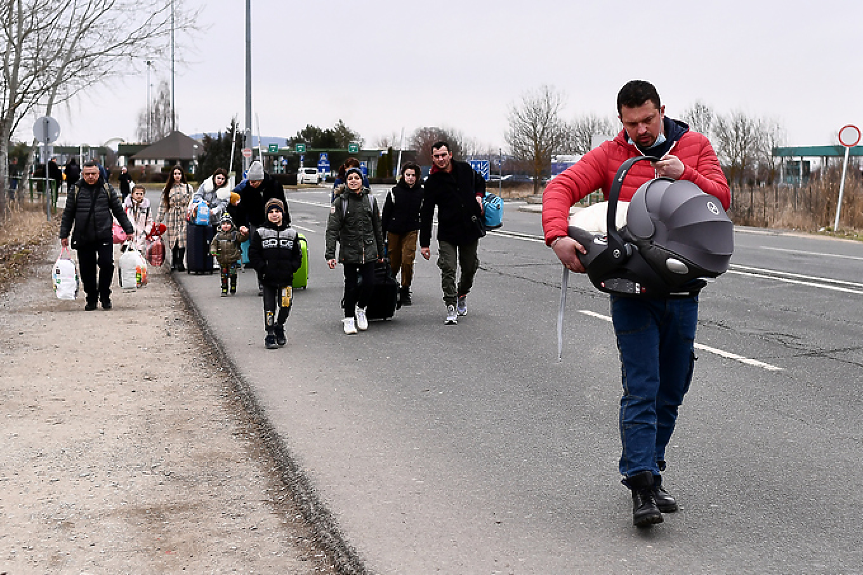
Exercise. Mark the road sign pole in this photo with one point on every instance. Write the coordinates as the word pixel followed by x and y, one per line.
pixel 841 189
pixel 849 136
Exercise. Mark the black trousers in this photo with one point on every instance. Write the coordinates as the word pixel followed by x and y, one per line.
pixel 272 302
pixel 358 293
pixel 91 256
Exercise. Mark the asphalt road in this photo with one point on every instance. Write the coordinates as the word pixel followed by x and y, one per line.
pixel 471 449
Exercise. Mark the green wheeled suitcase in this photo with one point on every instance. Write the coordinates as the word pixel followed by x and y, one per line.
pixel 301 276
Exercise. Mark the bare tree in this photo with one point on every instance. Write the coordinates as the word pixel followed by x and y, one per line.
pixel 699 117
pixel 55 49
pixel 392 140
pixel 423 138
pixel 536 131
pixel 772 136
pixel 738 139
pixel 158 125
pixel 584 128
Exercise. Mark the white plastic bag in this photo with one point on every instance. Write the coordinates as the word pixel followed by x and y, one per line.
pixel 129 269
pixel 64 276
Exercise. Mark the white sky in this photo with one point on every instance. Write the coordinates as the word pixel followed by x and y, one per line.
pixel 384 65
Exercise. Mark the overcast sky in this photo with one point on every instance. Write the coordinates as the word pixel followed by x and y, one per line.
pixel 384 65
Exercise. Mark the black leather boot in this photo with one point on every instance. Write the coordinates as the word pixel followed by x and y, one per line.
pixel 644 510
pixel 174 258
pixel 664 501
pixel 181 253
pixel 405 296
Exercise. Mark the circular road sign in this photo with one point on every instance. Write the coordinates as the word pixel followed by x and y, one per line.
pixel 247 152
pixel 46 130
pixel 849 136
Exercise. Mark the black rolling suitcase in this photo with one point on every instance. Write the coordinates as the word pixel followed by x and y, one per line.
pixel 382 304
pixel 198 258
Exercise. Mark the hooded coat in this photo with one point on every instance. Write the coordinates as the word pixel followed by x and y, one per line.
pixel 275 253
pixel 355 223
pixel 216 199
pixel 401 212
pixel 597 168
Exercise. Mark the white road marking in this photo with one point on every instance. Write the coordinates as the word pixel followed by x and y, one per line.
pixel 772 275
pixel 702 347
pixel 819 254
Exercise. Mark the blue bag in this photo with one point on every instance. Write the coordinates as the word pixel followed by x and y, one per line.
pixel 245 249
pixel 493 211
pixel 203 217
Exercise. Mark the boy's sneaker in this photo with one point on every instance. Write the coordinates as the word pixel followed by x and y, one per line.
pixel 350 328
pixel 224 293
pixel 270 341
pixel 461 308
pixel 279 331
pixel 451 315
pixel 362 321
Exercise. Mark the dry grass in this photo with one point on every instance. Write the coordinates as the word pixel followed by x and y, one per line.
pixel 24 236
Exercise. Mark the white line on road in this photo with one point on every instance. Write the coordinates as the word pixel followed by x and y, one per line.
pixel 819 254
pixel 770 275
pixel 702 347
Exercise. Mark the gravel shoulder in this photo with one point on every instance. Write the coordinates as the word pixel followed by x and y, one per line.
pixel 126 447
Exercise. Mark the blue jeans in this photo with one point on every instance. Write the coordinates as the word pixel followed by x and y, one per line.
pixel 655 338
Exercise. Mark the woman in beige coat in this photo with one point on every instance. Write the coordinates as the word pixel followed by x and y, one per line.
pixel 172 212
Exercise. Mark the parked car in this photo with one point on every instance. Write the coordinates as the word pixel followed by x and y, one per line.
pixel 517 178
pixel 308 176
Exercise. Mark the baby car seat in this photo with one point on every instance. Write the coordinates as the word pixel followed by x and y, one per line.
pixel 675 236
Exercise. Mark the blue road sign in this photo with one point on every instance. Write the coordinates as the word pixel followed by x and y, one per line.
pixel 364 167
pixel 481 167
pixel 324 163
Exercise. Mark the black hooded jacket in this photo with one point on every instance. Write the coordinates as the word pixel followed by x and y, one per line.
pixel 275 253
pixel 401 212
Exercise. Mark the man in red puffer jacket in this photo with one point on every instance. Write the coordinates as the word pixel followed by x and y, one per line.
pixel 655 336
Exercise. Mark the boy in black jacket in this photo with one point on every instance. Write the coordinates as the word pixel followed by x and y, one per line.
pixel 275 254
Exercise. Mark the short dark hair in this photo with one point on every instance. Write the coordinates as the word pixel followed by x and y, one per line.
pixel 635 93
pixel 441 144
pixel 411 166
pixel 90 164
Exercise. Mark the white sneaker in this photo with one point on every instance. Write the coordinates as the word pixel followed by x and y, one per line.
pixel 362 321
pixel 350 328
pixel 451 315
pixel 461 307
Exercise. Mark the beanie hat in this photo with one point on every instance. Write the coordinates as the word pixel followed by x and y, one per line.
pixel 226 217
pixel 256 171
pixel 274 203
pixel 353 170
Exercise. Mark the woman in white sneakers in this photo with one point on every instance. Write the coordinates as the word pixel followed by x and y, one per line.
pixel 355 223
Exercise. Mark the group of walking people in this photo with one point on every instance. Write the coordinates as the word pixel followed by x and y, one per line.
pixel 655 335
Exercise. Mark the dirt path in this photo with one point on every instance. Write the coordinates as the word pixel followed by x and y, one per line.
pixel 124 449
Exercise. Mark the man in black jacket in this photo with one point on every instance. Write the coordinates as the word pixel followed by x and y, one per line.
pixel 255 192
pixel 90 204
pixel 457 192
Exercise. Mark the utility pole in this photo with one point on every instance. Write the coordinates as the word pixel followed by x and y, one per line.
pixel 173 101
pixel 248 135
pixel 149 104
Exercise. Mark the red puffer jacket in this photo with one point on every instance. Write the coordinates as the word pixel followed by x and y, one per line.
pixel 597 168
